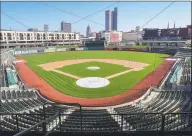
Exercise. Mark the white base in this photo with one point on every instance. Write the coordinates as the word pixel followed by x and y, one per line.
pixel 171 59
pixel 18 61
pixel 92 82
pixel 93 68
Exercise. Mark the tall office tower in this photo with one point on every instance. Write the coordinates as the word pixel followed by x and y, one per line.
pixel 114 19
pixel 46 28
pixel 88 32
pixel 108 20
pixel 111 20
pixel 66 27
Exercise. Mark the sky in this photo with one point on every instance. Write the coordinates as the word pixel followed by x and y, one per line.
pixel 130 15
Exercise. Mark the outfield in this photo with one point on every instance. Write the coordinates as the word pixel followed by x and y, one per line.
pixel 118 85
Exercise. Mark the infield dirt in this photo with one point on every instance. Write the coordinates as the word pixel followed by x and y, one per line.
pixel 135 66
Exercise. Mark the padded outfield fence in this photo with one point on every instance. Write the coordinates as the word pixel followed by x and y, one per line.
pixel 171 51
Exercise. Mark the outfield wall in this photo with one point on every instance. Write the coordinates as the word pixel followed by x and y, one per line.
pixel 171 51
pixel 35 51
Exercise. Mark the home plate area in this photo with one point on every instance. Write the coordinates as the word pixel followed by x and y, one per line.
pixel 92 82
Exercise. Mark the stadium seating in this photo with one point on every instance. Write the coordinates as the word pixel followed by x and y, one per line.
pixel 92 120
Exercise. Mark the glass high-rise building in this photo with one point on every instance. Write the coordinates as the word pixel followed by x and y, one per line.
pixel 115 19
pixel 108 20
pixel 111 20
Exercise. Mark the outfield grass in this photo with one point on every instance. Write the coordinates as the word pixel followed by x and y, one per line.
pixel 117 85
pixel 81 70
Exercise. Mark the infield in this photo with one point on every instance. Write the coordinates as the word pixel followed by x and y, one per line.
pixel 118 84
pixel 106 69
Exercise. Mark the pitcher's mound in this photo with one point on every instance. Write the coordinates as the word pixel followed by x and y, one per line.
pixel 92 82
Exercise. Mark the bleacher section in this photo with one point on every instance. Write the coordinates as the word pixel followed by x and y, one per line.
pixel 92 121
pixel 164 102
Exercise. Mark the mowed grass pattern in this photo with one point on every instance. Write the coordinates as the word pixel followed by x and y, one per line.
pixel 117 85
pixel 80 70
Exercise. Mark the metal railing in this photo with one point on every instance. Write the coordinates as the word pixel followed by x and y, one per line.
pixel 58 122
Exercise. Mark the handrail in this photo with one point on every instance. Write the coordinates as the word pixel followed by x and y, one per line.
pixel 163 120
pixel 27 130
pixel 69 104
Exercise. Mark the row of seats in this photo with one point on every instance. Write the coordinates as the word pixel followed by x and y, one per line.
pixel 165 102
pixel 17 94
pixel 92 120
pixel 186 75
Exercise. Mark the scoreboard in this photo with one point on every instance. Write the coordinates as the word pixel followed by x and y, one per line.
pixel 169 32
pixel 183 33
pixel 149 33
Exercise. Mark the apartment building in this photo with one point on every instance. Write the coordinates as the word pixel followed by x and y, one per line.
pixel 27 37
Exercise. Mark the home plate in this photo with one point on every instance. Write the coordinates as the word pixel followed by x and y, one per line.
pixel 92 82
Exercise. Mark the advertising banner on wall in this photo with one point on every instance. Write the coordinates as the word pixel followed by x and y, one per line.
pixel 40 50
pixel 114 37
pixel 51 49
pixel 60 49
pixel 85 48
pixel 33 51
pixel 131 49
pixel 24 52
pixel 79 49
pixel 17 52
pixel 46 50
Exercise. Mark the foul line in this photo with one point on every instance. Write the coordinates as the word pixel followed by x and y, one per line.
pixel 66 74
pixel 118 74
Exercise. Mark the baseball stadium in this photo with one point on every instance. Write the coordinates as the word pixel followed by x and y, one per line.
pixel 60 83
pixel 63 90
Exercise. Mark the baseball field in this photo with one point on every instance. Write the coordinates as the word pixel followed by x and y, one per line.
pixel 78 73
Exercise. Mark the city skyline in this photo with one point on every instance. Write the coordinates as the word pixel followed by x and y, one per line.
pixel 130 15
